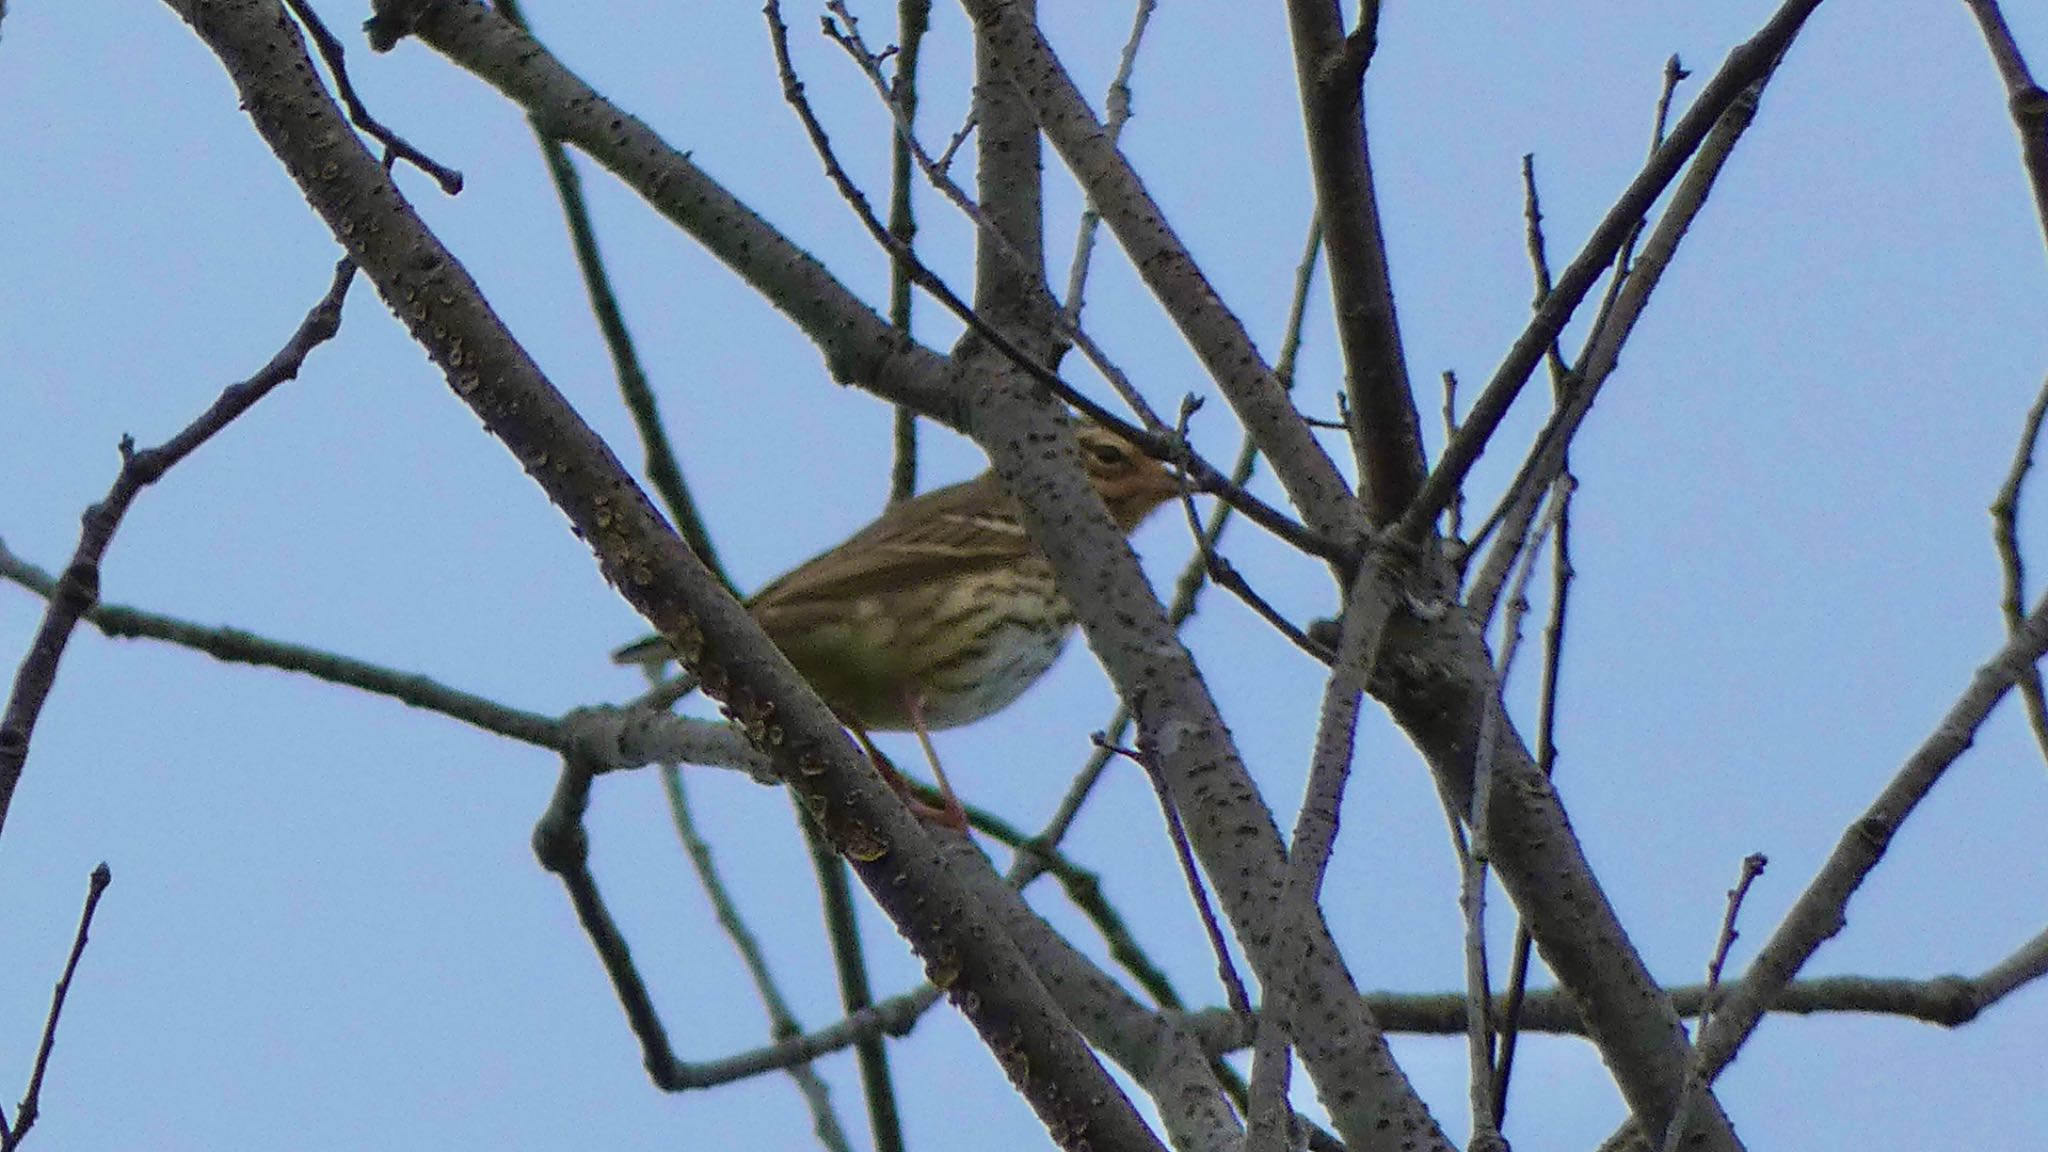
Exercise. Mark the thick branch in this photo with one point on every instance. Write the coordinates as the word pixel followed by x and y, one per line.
pixel 1330 72
pixel 1437 681
pixel 1169 270
pixel 860 346
pixel 654 570
pixel 2024 99
pixel 1228 824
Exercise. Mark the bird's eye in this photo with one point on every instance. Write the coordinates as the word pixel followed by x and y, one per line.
pixel 1108 455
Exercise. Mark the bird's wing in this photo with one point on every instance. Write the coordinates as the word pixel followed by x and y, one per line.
pixel 948 531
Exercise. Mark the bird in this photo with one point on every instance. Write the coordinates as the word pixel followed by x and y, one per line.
pixel 939 613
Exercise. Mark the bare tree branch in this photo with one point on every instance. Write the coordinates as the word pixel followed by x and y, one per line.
pixel 609 739
pixel 1748 66
pixel 11 1135
pixel 913 18
pixel 2005 535
pixel 1140 226
pixel 782 1019
pixel 1386 430
pixel 2025 99
pixel 79 588
pixel 432 294
pixel 1602 354
pixel 1819 912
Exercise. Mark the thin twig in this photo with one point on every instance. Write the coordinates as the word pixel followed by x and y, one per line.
pixel 31 1101
pixel 1561 576
pixel 331 52
pixel 663 470
pixel 1206 476
pixel 2025 99
pixel 913 17
pixel 1569 383
pixel 1752 867
pixel 1226 968
pixel 1454 522
pixel 78 589
pixel 1539 259
pixel 1820 911
pixel 1224 574
pixel 632 736
pixel 846 34
pixel 958 139
pixel 1118 106
pixel 782 1020
pixel 1624 261
pixel 1478 999
pixel 1950 1001
pixel 1746 67
pixel 1602 352
pixel 2005 511
pixel 562 845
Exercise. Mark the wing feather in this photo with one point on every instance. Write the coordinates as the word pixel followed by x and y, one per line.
pixel 963 528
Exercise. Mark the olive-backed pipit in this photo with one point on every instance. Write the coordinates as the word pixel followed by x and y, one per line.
pixel 940 612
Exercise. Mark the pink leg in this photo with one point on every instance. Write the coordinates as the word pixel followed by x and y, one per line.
pixel 952 815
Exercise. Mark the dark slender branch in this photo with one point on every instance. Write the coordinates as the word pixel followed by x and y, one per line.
pixel 1205 475
pixel 1539 261
pixel 441 306
pixel 1142 227
pixel 1752 867
pixel 1225 575
pixel 1118 105
pixel 1746 67
pixel 2026 965
pixel 25 1114
pixel 1479 1017
pixel 1819 913
pixel 1625 261
pixel 958 138
pixel 1597 362
pixel 1191 874
pixel 2005 511
pixel 79 588
pixel 613 739
pixel 1385 428
pixel 782 1019
pixel 913 17
pixel 663 470
pixel 2024 98
pixel 1944 1001
pixel 1000 254
pixel 562 845
pixel 1454 518
pixel 1561 576
pixel 331 52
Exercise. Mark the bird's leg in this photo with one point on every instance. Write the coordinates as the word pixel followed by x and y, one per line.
pixel 952 815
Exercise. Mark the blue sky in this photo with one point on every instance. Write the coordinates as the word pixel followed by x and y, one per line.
pixel 326 925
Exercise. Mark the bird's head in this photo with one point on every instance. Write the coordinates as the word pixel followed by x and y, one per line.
pixel 1131 483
